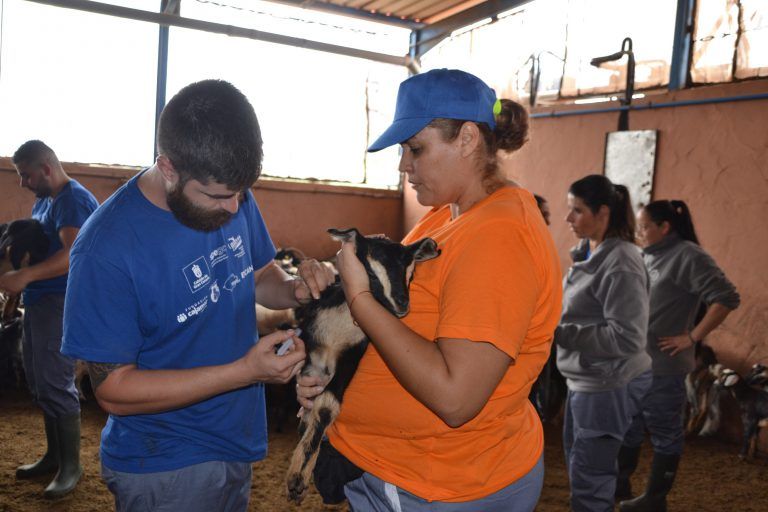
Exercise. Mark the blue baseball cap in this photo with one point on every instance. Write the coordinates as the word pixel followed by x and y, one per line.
pixel 437 94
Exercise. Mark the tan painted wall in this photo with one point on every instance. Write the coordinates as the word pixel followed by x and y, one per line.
pixel 297 214
pixel 714 157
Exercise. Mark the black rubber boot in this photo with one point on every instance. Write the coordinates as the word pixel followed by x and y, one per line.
pixel 49 463
pixel 660 482
pixel 70 470
pixel 628 457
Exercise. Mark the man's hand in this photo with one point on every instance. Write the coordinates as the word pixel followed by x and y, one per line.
pixel 262 364
pixel 14 281
pixel 314 277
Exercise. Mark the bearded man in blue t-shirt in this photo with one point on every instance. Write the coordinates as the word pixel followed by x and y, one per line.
pixel 62 207
pixel 165 277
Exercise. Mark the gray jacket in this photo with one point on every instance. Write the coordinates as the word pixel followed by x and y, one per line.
pixel 682 276
pixel 602 333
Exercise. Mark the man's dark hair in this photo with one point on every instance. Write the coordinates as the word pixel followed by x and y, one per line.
pixel 209 131
pixel 32 152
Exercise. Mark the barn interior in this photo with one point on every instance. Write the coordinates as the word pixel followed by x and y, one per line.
pixel 667 97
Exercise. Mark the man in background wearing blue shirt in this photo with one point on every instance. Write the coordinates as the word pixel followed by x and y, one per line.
pixel 62 207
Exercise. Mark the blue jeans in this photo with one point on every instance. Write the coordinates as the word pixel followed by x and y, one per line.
pixel 206 487
pixel 371 494
pixel 593 431
pixel 50 374
pixel 661 416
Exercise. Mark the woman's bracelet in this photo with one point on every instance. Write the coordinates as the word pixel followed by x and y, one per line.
pixel 355 298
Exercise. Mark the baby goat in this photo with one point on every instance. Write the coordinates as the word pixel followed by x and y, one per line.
pixel 22 242
pixel 753 404
pixel 335 344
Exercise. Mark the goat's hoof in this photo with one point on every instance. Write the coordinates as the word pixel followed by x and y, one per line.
pixel 297 488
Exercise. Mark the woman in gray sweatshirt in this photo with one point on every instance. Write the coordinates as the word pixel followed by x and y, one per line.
pixel 682 277
pixel 601 339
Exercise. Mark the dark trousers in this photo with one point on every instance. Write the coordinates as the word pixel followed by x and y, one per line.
pixel 594 428
pixel 661 416
pixel 50 374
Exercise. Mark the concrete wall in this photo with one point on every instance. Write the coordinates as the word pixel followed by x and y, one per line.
pixel 297 214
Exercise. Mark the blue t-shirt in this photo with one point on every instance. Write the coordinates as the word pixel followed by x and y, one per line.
pixel 147 290
pixel 69 209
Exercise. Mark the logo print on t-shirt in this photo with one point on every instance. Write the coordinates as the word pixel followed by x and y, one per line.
pixel 218 255
pixel 198 274
pixel 231 282
pixel 215 291
pixel 236 245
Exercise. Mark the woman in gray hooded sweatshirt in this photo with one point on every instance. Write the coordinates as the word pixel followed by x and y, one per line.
pixel 682 277
pixel 601 339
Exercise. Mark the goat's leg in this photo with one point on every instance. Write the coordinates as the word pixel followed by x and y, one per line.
pixel 324 411
pixel 712 422
pixel 693 402
pixel 750 429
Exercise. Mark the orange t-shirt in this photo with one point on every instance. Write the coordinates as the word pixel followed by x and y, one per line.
pixel 496 280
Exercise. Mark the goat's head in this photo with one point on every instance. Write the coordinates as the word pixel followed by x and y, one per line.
pixel 22 243
pixel 724 377
pixel 758 376
pixel 389 265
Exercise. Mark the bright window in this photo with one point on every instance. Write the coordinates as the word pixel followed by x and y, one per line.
pixel 730 40
pixel 318 111
pixel 501 52
pixel 83 83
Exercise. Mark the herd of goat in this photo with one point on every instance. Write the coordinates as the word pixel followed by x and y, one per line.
pixel 335 345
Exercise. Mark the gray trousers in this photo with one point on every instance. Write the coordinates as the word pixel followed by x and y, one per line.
pixel 50 374
pixel 207 487
pixel 371 494
pixel 593 431
pixel 661 416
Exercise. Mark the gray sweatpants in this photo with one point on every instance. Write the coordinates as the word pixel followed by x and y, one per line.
pixel 371 494
pixel 593 431
pixel 206 487
pixel 661 416
pixel 50 374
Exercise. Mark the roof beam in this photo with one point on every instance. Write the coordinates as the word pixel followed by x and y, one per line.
pixel 171 20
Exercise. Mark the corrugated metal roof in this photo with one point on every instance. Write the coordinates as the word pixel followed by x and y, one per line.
pixel 415 11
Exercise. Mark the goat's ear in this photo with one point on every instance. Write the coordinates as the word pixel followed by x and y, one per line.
pixel 344 235
pixel 425 249
pixel 731 380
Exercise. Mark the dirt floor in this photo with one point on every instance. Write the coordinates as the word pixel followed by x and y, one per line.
pixel 711 477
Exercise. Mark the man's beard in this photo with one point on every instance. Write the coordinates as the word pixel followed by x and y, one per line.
pixel 42 191
pixel 194 216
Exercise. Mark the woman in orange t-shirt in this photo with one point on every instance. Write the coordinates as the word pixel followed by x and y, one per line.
pixel 437 416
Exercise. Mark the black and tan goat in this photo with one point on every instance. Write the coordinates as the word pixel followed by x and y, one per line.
pixel 703 395
pixel 335 344
pixel 753 403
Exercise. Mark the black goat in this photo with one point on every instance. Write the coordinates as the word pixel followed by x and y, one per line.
pixel 335 344
pixel 753 404
pixel 22 242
